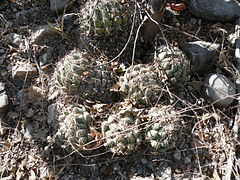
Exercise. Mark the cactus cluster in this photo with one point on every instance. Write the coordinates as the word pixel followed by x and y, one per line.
pixel 121 131
pixel 74 128
pixel 142 84
pixel 78 74
pixel 104 17
pixel 174 64
pixel 163 129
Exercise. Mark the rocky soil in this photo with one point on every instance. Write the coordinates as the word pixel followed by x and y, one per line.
pixel 37 35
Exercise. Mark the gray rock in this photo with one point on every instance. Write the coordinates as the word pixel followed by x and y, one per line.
pixel 187 160
pixel 3 103
pixel 2 86
pixel 22 97
pixel 177 155
pixel 44 34
pixel 164 172
pixel 12 115
pixel 69 20
pixel 47 56
pixel 218 90
pixel 23 70
pixel 30 113
pixel 2 51
pixel 28 132
pixel 13 39
pixel 58 5
pixel 201 54
pixel 215 10
pixel 52 114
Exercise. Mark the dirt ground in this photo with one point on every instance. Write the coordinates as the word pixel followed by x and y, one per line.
pixel 27 141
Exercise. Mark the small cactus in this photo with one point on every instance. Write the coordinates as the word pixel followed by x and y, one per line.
pixel 174 64
pixel 74 128
pixel 121 131
pixel 104 17
pixel 109 28
pixel 78 74
pixel 142 84
pixel 163 129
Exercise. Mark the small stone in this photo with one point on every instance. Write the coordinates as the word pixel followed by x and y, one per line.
pixel 215 10
pixel 187 160
pixel 13 39
pixel 218 90
pixel 47 56
pixel 12 115
pixel 22 97
pixel 3 103
pixel 2 51
pixel 164 172
pixel 69 20
pixel 144 161
pixel 23 70
pixel 201 54
pixel 44 34
pixel 177 155
pixel 2 131
pixel 28 132
pixel 2 86
pixel 30 113
pixel 58 5
pixel 52 114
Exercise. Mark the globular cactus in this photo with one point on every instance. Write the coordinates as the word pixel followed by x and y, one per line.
pixel 104 17
pixel 142 84
pixel 121 131
pixel 75 128
pixel 175 65
pixel 163 129
pixel 79 74
pixel 109 27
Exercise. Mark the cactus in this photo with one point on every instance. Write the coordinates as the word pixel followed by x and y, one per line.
pixel 121 131
pixel 74 128
pixel 78 74
pixel 109 27
pixel 142 84
pixel 174 64
pixel 163 129
pixel 104 17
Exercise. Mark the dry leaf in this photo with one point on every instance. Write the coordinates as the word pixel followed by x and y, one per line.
pixel 115 87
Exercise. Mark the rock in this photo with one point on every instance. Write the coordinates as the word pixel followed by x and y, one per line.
pixel 13 39
pixel 177 155
pixel 22 97
pixel 58 5
pixel 52 114
pixel 2 86
pixel 12 115
pixel 43 35
pixel 215 10
pixel 69 20
pixel 164 172
pixel 3 103
pixel 201 54
pixel 47 56
pixel 187 160
pixel 2 131
pixel 218 90
pixel 23 70
pixel 28 132
pixel 30 113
